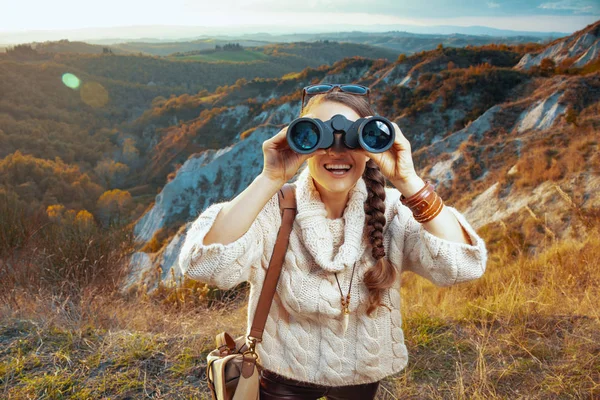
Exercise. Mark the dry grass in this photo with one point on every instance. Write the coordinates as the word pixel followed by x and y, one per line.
pixel 529 328
pixel 101 346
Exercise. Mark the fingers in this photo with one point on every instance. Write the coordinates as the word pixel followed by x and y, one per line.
pixel 281 136
pixel 400 138
pixel 278 141
pixel 304 157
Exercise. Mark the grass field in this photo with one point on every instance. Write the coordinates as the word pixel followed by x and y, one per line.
pixel 529 329
pixel 232 56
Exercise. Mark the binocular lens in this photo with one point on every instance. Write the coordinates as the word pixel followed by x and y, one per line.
pixel 376 135
pixel 305 135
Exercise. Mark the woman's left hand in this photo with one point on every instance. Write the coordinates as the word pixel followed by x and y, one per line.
pixel 396 164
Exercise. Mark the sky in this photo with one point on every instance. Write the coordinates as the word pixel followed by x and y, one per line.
pixel 526 15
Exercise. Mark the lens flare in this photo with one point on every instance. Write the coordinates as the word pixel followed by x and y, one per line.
pixel 70 80
pixel 93 94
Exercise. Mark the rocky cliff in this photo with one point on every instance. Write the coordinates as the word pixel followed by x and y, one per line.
pixel 504 145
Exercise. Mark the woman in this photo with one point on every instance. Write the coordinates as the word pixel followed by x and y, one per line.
pixel 352 236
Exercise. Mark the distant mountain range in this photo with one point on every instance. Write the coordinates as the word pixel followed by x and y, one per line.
pixel 395 42
pixel 162 33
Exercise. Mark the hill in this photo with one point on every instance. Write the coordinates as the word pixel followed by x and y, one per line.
pixel 66 46
pixel 167 48
pixel 86 112
pixel 457 106
pixel 393 40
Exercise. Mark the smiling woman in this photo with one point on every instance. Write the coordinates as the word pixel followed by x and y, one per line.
pixel 334 329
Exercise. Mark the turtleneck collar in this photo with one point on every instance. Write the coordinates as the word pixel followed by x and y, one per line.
pixel 317 237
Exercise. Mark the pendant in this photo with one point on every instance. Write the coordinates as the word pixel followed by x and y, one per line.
pixel 346 314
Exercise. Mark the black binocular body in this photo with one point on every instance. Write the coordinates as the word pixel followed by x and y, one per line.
pixel 307 135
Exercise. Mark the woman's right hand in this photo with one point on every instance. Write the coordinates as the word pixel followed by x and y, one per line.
pixel 281 162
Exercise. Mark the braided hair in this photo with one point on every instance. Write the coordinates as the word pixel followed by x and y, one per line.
pixel 382 275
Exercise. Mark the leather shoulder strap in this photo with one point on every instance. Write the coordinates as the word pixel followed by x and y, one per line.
pixel 287 206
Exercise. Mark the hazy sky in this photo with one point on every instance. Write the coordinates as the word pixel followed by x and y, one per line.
pixel 527 15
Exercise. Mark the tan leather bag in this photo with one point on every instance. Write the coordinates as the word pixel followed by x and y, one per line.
pixel 232 371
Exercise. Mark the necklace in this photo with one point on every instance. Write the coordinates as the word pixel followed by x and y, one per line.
pixel 346 301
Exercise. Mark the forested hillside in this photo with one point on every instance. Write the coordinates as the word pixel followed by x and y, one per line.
pixel 102 127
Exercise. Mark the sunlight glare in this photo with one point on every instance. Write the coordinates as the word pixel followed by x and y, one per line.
pixel 94 94
pixel 70 80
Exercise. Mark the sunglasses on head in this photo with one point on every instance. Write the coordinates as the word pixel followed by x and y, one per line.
pixel 311 90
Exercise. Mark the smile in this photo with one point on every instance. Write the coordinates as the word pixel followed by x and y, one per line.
pixel 338 170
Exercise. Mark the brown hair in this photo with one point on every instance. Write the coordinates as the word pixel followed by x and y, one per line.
pixel 382 275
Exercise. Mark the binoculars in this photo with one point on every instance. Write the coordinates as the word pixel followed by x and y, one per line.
pixel 306 135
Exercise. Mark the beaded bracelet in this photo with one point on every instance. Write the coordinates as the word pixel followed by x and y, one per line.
pixel 425 204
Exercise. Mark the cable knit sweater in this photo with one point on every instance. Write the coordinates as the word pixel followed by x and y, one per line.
pixel 303 337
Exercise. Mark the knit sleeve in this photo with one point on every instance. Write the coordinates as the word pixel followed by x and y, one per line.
pixel 226 265
pixel 443 262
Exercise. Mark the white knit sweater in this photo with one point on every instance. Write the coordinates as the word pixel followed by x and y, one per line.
pixel 303 337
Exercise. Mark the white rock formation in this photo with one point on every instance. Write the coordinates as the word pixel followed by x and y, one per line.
pixel 139 264
pixel 476 129
pixel 591 54
pixel 405 81
pixel 546 198
pixel 168 263
pixel 442 170
pixel 571 46
pixel 542 114
pixel 200 182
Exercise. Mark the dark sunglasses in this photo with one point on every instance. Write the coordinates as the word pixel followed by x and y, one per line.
pixel 311 90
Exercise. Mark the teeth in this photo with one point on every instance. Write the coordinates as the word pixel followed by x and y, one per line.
pixel 338 166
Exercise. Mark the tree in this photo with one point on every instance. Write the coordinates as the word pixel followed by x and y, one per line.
pixel 114 206
pixel 547 65
pixel 84 221
pixel 571 116
pixel 113 173
pixel 130 152
pixel 55 212
pixel 23 52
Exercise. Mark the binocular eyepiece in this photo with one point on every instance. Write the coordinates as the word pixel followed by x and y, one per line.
pixel 306 135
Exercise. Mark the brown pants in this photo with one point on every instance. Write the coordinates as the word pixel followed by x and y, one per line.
pixel 274 386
